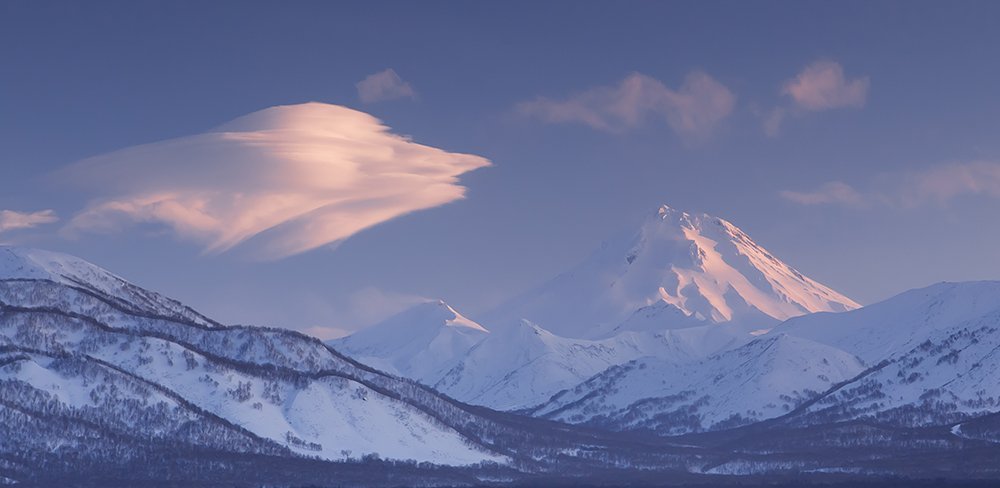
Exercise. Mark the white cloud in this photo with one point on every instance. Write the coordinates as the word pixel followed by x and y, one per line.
pixel 932 185
pixel 834 192
pixel 11 220
pixel 822 86
pixel 382 86
pixel 289 179
pixel 692 111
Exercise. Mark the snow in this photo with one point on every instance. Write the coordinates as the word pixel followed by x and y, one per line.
pixel 343 417
pixel 934 352
pixel 37 372
pixel 328 410
pixel 703 265
pixel 682 288
pixel 518 365
pixel 20 263
pixel 760 380
pixel 421 342
pixel 929 356
pixel 882 329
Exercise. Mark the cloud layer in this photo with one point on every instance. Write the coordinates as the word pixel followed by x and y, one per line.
pixel 11 220
pixel 932 185
pixel 289 179
pixel 382 86
pixel 692 111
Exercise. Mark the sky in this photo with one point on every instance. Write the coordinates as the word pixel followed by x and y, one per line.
pixel 471 150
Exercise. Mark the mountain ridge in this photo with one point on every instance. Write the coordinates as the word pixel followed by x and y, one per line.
pixel 697 285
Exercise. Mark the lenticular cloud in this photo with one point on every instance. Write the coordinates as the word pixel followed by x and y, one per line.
pixel 283 180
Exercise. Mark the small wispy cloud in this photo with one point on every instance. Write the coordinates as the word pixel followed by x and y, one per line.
pixel 12 220
pixel 931 185
pixel 361 308
pixel 692 111
pixel 289 178
pixel 382 86
pixel 948 181
pixel 834 192
pixel 820 86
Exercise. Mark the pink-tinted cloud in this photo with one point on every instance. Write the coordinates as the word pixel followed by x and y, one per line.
pixel 822 86
pixel 289 179
pixel 692 111
pixel 819 86
pixel 382 86
pixel 932 185
pixel 945 182
pixel 11 220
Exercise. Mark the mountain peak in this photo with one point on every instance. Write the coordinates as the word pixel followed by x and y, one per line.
pixel 23 263
pixel 703 265
pixel 416 342
pixel 665 210
pixel 28 263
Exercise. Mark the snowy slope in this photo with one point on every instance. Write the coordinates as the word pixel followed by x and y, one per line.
pixel 18 263
pixel 683 288
pixel 520 365
pixel 763 379
pixel 276 388
pixel 895 325
pixel 704 266
pixel 933 353
pixel 517 368
pixel 421 343
pixel 925 357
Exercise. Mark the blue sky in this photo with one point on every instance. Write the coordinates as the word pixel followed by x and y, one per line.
pixel 855 140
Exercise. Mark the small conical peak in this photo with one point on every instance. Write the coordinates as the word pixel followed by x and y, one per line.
pixel 455 319
pixel 434 308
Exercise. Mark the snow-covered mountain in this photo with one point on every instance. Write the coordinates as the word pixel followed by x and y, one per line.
pixel 520 365
pixel 925 357
pixel 100 379
pixel 699 265
pixel 682 288
pixel 517 365
pixel 895 325
pixel 933 356
pixel 422 342
pixel 80 340
pixel 511 368
pixel 763 379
